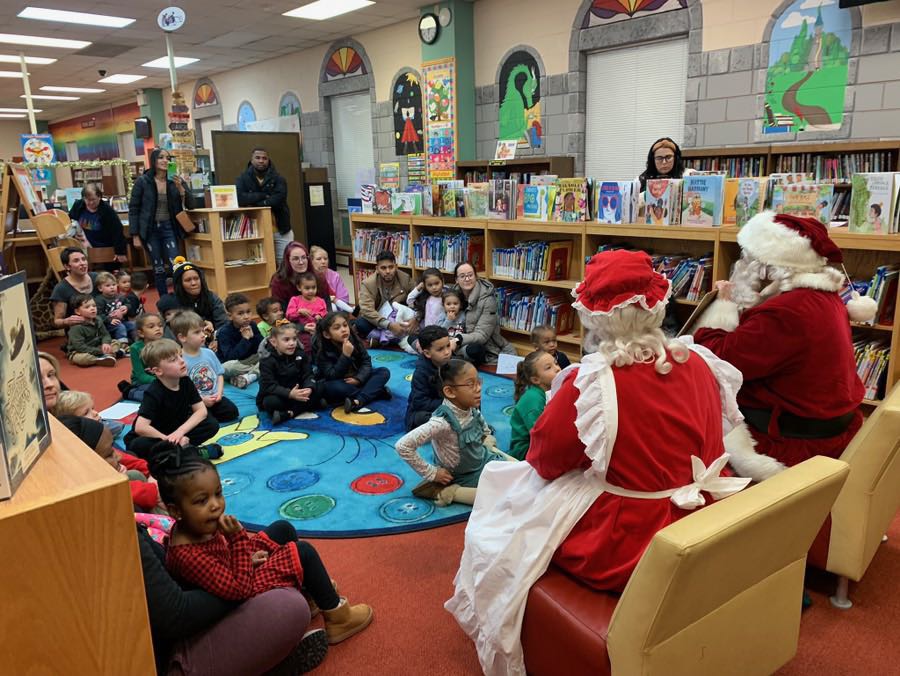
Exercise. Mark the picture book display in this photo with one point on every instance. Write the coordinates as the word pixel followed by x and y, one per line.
pixel 871 203
pixel 702 200
pixel 811 200
pixel 571 202
pixel 749 200
pixel 615 202
pixel 223 196
pixel 406 203
pixel 662 205
pixel 367 197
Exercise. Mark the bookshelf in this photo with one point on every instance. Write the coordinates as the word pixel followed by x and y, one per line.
pixel 737 161
pixel 468 170
pixel 233 259
pixel 862 254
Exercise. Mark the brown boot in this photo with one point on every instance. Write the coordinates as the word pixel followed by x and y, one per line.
pixel 346 620
pixel 314 609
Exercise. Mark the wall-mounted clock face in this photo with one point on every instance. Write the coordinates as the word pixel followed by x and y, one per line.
pixel 428 29
pixel 445 16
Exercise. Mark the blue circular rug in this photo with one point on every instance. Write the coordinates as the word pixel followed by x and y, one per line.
pixel 337 475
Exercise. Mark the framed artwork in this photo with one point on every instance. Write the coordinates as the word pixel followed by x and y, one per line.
pixel 440 114
pixel 24 425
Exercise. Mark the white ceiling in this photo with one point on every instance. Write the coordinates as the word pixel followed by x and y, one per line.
pixel 223 34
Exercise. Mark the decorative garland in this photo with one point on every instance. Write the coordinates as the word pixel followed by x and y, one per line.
pixel 91 164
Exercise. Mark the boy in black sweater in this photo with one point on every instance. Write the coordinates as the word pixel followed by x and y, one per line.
pixel 238 342
pixel 424 391
pixel 172 408
pixel 286 384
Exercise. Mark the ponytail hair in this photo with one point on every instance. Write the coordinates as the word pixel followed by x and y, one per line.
pixel 525 371
pixel 449 372
pixel 171 465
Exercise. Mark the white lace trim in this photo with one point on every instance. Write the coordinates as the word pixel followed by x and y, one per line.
pixel 596 410
pixel 640 298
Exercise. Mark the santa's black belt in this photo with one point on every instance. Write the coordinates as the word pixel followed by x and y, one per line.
pixel 793 426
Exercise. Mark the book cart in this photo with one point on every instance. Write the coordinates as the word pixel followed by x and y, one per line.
pixel 233 260
pixel 862 255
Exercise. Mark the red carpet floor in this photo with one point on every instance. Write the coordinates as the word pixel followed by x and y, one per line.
pixel 406 578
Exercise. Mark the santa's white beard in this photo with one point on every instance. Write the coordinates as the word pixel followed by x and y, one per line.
pixel 748 278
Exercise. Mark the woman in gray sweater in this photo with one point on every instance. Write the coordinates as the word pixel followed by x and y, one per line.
pixel 481 342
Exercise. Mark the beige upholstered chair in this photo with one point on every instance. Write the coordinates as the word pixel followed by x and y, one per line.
pixel 868 502
pixel 718 592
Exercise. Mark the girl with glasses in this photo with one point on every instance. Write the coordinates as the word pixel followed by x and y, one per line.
pixel 663 161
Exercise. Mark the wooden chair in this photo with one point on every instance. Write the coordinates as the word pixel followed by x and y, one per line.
pixel 102 254
pixel 718 592
pixel 51 228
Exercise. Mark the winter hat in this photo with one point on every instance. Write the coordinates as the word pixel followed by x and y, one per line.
pixel 615 279
pixel 166 303
pixel 86 429
pixel 180 265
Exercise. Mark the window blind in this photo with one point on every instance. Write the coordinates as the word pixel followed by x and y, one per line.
pixel 635 95
pixel 354 157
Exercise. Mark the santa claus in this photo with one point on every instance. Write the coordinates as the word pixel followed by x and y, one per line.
pixel 782 323
pixel 630 441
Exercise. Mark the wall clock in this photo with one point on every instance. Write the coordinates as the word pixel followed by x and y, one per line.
pixel 445 16
pixel 429 29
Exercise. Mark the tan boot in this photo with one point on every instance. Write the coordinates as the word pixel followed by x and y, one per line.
pixel 346 620
pixel 314 609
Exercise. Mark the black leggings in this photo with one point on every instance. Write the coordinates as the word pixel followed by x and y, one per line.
pixel 316 580
pixel 143 446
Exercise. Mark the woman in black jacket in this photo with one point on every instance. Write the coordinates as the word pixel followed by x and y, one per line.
pixel 156 201
pixel 100 223
pixel 286 384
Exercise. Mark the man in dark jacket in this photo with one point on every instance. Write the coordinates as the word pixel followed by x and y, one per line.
pixel 262 186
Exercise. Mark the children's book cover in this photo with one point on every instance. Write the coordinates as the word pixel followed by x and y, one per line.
pixel 870 202
pixel 729 210
pixel 500 199
pixel 658 201
pixel 750 198
pixel 406 203
pixel 534 199
pixel 609 202
pixel 804 199
pixel 701 202
pixel 448 202
pixel 477 200
pixel 572 203
pixel 558 257
pixel 382 202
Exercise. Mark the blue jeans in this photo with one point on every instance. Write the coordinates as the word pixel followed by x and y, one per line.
pixel 337 390
pixel 162 247
pixel 122 331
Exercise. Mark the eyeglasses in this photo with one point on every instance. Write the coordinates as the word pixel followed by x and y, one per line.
pixel 466 276
pixel 664 158
pixel 476 385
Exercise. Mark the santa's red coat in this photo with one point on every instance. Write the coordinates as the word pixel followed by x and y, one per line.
pixel 662 421
pixel 796 354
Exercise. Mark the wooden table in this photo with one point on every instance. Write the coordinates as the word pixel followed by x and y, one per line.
pixel 70 575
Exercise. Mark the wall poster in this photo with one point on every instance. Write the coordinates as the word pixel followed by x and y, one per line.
pixel 408 126
pixel 520 100
pixel 440 112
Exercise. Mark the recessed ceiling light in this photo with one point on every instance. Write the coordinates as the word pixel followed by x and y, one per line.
pixel 11 115
pixel 325 9
pixel 19 110
pixel 77 90
pixel 163 62
pixel 11 73
pixel 44 14
pixel 30 60
pixel 51 97
pixel 38 41
pixel 121 78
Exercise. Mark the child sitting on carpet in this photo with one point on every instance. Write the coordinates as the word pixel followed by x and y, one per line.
pixel 124 283
pixel 269 311
pixel 211 550
pixel 534 374
pixel 203 366
pixel 424 391
pixel 427 301
pixel 89 342
pixel 343 362
pixel 81 404
pixel 238 341
pixel 112 308
pixel 286 384
pixel 543 337
pixel 461 439
pixel 306 309
pixel 149 327
pixel 454 319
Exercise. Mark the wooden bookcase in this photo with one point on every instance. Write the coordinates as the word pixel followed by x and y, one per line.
pixel 211 251
pixel 862 255
pixel 562 166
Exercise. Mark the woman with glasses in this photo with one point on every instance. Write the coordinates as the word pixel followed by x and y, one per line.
pixel 295 262
pixel 156 201
pixel 663 161
pixel 481 341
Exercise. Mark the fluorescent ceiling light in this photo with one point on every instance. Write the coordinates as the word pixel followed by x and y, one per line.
pixel 77 90
pixel 44 14
pixel 11 73
pixel 163 62
pixel 51 97
pixel 30 60
pixel 325 9
pixel 11 115
pixel 19 110
pixel 37 41
pixel 122 78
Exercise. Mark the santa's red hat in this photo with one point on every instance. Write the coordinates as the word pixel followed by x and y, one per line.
pixel 801 244
pixel 615 279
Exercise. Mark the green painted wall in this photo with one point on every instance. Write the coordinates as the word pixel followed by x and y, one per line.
pixel 155 111
pixel 457 40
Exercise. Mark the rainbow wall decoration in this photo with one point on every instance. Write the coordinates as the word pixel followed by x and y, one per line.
pixel 97 133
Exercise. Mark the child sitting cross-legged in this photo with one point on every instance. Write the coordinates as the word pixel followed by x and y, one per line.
pixel 172 409
pixel 203 367
pixel 461 439
pixel 343 362
pixel 286 384
pixel 307 308
pixel 543 337
pixel 269 311
pixel 534 375
pixel 112 308
pixel 81 404
pixel 424 390
pixel 211 550
pixel 148 327
pixel 127 291
pixel 89 342
pixel 238 342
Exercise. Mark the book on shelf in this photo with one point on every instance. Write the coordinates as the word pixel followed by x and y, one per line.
pixel 750 199
pixel 201 223
pixel 448 201
pixel 872 357
pixel 224 196
pixel 662 201
pixel 534 202
pixel 533 260
pixel 239 226
pixel 424 190
pixel 872 203
pixel 737 167
pixel 367 196
pixel 521 308
pixel 502 199
pixel 691 278
pixel 882 288
pixel 812 200
pixel 193 252
pixel 729 208
pixel 381 201
pixel 702 200
pixel 837 168
pixel 406 203
pixel 477 196
pixel 445 251
pixel 572 200
pixel 615 202
pixel 369 242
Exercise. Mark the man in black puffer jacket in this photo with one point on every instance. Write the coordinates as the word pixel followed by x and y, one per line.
pixel 262 186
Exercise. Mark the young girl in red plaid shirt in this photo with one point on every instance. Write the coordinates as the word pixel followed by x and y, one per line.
pixel 211 550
